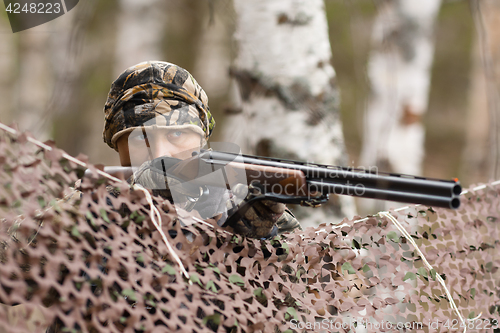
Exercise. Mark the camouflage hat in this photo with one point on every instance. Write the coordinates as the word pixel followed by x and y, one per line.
pixel 159 92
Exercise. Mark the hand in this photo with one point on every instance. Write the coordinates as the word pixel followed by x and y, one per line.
pixel 149 179
pixel 259 220
pixel 165 185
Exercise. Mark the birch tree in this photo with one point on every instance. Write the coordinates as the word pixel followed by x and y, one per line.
pixel 288 97
pixel 481 161
pixel 139 32
pixel 399 74
pixel 74 55
pixel 7 65
pixel 67 58
pixel 210 67
pixel 34 81
pixel 476 159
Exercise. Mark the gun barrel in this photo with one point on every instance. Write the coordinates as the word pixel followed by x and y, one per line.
pixel 385 186
pixel 452 202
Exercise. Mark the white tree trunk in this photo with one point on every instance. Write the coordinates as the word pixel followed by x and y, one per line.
pixel 482 153
pixel 139 32
pixel 8 64
pixel 286 83
pixel 211 66
pixel 476 159
pixel 34 82
pixel 66 55
pixel 399 74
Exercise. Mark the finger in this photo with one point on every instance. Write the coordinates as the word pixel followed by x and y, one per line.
pixel 270 206
pixel 264 213
pixel 240 191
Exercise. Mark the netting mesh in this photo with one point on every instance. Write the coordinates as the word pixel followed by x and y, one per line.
pixel 95 263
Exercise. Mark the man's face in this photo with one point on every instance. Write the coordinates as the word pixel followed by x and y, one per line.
pixel 146 143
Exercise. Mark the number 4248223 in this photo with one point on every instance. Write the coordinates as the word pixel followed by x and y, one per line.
pixel 472 324
pixel 34 8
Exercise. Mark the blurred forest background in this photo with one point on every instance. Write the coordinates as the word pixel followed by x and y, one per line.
pixel 54 78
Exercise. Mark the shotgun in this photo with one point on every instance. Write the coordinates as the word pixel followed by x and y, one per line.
pixel 296 182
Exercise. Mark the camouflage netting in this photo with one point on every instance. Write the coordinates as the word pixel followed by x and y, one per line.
pixel 96 264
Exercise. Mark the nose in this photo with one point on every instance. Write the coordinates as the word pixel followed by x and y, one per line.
pixel 161 148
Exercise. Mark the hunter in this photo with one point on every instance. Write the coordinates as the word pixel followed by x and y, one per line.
pixel 157 109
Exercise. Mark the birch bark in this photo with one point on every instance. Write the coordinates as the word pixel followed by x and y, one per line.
pixel 139 32
pixel 482 153
pixel 34 82
pixel 476 159
pixel 210 68
pixel 8 54
pixel 287 91
pixel 399 74
pixel 67 58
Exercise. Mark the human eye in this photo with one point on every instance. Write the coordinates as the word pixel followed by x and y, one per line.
pixel 139 138
pixel 175 135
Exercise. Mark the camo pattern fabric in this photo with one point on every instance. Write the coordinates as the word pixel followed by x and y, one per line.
pixel 288 223
pixel 155 93
pixel 97 263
